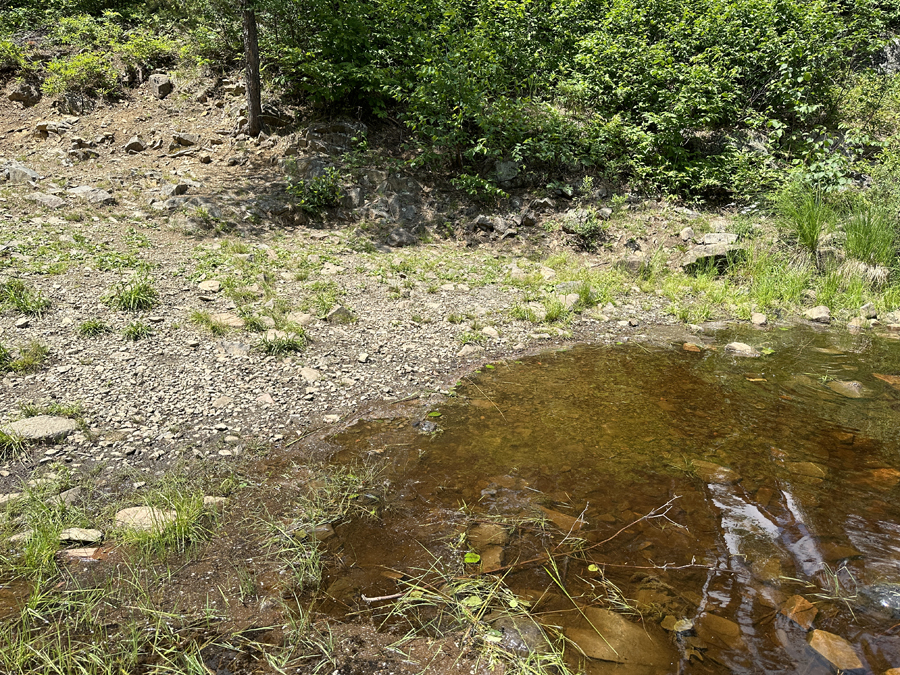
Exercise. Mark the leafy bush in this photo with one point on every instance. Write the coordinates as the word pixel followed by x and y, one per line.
pixel 12 56
pixel 315 194
pixel 90 73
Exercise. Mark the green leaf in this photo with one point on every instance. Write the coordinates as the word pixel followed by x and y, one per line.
pixel 472 558
pixel 434 413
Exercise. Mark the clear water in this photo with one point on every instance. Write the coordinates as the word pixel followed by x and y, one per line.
pixel 810 505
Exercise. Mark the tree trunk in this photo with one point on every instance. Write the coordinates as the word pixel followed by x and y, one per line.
pixel 251 57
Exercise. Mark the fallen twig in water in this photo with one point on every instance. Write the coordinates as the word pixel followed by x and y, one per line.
pixel 380 598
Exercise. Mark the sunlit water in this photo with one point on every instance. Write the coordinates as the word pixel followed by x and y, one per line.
pixel 611 433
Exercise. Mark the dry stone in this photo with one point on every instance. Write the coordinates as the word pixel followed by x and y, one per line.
pixel 160 85
pixel 80 535
pixel 42 428
pixel 819 314
pixel 145 518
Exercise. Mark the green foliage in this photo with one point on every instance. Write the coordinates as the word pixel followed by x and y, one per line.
pixel 12 56
pixel 30 358
pixel 89 73
pixel 313 195
pixel 280 343
pixel 136 330
pixel 93 328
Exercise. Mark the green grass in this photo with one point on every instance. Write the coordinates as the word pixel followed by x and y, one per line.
pixel 136 295
pixel 806 214
pixel 136 330
pixel 205 320
pixel 93 328
pixel 283 344
pixel 11 444
pixel 872 235
pixel 14 293
pixel 192 522
pixel 30 358
pixel 33 409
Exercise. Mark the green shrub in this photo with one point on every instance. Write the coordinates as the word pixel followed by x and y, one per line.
pixel 315 194
pixel 89 73
pixel 136 330
pixel 14 293
pixel 12 57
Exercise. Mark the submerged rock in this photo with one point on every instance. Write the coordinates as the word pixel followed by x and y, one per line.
pixel 741 349
pixel 848 388
pixel 611 637
pixel 884 596
pixel 835 649
pixel 719 631
pixel 521 635
pixel 799 610
pixel 711 472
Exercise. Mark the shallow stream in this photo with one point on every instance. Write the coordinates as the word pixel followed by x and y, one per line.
pixel 783 474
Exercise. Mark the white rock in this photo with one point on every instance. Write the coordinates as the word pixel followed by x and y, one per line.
pixel 42 428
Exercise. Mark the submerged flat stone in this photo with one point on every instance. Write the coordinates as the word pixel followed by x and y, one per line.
pixel 483 535
pixel 711 472
pixel 741 349
pixel 614 638
pixel 807 469
pixel 42 428
pixel 848 388
pixel 835 649
pixel 799 610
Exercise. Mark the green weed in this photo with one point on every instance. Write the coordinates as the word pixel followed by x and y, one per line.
pixel 205 320
pixel 14 293
pixel 93 328
pixel 30 358
pixel 872 235
pixel 135 295
pixel 805 213
pixel 281 343
pixel 136 330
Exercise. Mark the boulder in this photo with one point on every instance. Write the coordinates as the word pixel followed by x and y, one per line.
pixel 26 93
pixel 718 238
pixel 848 388
pixel 19 173
pixel 92 195
pixel 401 237
pixel 50 201
pixel 160 85
pixel 340 315
pixel 715 255
pixel 135 144
pixel 758 319
pixel 185 139
pixel 80 535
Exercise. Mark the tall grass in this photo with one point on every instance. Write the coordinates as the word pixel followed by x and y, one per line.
pixel 805 213
pixel 872 235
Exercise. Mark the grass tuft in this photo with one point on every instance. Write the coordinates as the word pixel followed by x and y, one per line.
pixel 137 330
pixel 14 293
pixel 93 328
pixel 279 343
pixel 136 295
